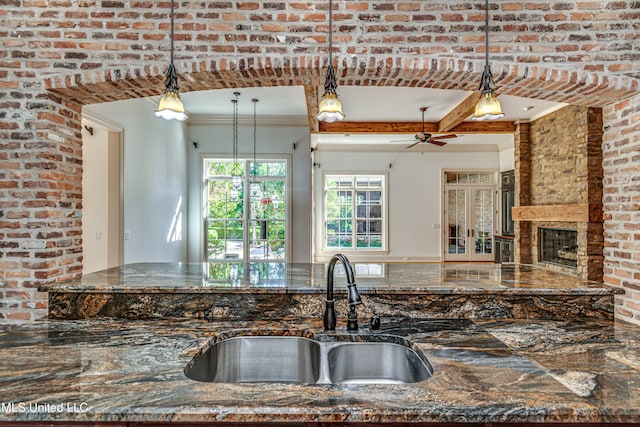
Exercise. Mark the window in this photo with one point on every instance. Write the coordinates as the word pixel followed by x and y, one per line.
pixel 354 212
pixel 246 209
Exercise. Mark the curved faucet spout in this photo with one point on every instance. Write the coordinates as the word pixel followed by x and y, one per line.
pixel 353 295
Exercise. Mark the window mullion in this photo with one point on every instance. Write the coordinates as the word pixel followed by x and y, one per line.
pixel 247 212
pixel 354 219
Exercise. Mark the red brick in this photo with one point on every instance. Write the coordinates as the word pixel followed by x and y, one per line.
pixel 593 64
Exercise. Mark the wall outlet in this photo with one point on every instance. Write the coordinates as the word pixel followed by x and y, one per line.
pixel 435 226
pixel 127 235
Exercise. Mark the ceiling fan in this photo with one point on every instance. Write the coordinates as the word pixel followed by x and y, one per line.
pixel 428 138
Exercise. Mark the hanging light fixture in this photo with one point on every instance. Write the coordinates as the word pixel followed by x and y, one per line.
pixel 488 107
pixel 170 106
pixel 254 183
pixel 236 169
pixel 330 108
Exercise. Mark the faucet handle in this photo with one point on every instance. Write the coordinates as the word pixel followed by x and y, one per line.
pixel 375 322
pixel 352 318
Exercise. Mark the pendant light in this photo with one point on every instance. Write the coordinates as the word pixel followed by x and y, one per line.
pixel 170 106
pixel 254 183
pixel 330 108
pixel 488 107
pixel 236 170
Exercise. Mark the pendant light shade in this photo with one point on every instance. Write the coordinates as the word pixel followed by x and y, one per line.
pixel 170 106
pixel 330 107
pixel 488 107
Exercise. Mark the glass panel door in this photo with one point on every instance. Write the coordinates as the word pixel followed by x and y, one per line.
pixel 456 223
pixel 469 215
pixel 482 223
pixel 246 210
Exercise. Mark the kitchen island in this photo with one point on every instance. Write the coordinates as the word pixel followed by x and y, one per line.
pixel 109 369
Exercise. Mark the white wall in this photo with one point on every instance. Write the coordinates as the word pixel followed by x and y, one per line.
pixel 95 199
pixel 216 140
pixel 414 195
pixel 507 159
pixel 155 186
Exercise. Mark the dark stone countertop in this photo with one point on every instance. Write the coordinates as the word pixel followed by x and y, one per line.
pixel 372 278
pixel 107 370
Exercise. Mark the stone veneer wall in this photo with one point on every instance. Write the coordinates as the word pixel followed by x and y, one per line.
pixel 563 167
pixel 56 56
pixel 560 163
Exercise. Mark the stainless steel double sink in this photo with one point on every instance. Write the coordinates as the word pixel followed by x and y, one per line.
pixel 299 360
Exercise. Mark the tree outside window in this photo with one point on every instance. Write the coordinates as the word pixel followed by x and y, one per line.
pixel 246 209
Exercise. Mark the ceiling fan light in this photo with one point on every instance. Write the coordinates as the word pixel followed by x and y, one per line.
pixel 171 107
pixel 488 107
pixel 330 108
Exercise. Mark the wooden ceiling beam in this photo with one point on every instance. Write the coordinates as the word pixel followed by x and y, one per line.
pixel 485 127
pixel 311 98
pixel 376 127
pixel 459 113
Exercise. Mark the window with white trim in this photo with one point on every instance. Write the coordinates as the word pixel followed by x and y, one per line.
pixel 246 211
pixel 354 212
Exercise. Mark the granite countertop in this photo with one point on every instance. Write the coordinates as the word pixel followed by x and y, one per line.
pixel 484 371
pixel 277 277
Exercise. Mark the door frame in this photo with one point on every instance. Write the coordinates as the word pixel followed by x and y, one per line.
pixel 470 255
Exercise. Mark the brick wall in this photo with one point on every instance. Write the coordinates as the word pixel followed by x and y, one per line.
pixel 621 151
pixel 56 56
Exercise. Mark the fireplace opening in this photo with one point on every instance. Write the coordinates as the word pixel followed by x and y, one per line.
pixel 559 246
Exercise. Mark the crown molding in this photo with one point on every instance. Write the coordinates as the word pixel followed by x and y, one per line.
pixel 243 120
pixel 101 121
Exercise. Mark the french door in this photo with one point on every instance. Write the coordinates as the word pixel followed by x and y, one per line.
pixel 246 208
pixel 469 217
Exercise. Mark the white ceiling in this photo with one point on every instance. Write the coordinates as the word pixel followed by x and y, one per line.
pixel 367 104
pixel 272 101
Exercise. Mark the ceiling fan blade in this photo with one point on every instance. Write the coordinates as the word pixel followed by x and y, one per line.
pixel 436 142
pixel 412 145
pixel 451 135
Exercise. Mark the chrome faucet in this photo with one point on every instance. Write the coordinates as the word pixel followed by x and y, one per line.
pixel 353 296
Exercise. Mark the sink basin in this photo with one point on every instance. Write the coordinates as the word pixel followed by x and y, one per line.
pixel 259 359
pixel 378 362
pixel 298 360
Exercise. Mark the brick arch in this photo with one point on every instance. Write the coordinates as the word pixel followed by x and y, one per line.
pixel 575 86
pixel 43 240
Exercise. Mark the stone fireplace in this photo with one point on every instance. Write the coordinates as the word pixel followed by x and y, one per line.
pixel 558 174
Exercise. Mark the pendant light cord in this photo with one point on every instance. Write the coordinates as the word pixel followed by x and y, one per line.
pixel 486 33
pixel 331 33
pixel 253 170
pixel 235 128
pixel 171 19
pixel 486 80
